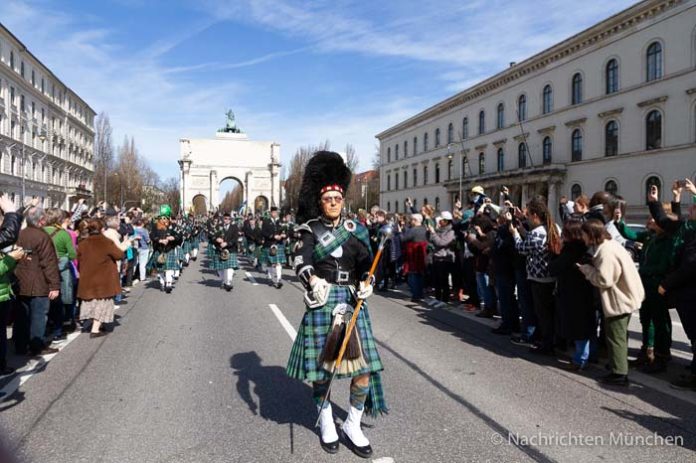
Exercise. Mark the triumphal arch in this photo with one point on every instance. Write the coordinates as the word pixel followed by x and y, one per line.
pixel 206 162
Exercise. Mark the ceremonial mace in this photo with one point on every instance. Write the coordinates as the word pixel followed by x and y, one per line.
pixel 387 232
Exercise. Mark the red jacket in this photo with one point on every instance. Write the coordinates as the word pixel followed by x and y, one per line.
pixel 415 253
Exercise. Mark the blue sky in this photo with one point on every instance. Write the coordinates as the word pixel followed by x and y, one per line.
pixel 293 71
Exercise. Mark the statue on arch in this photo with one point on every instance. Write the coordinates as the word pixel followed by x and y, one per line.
pixel 231 125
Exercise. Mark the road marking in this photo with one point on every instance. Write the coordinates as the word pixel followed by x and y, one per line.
pixel 33 367
pixel 283 321
pixel 251 278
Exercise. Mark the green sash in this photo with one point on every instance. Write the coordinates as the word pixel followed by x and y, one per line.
pixel 329 242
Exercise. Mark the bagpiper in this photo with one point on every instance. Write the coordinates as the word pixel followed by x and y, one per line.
pixel 332 261
pixel 273 251
pixel 197 229
pixel 224 259
pixel 164 243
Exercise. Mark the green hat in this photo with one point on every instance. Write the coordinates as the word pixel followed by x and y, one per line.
pixel 165 210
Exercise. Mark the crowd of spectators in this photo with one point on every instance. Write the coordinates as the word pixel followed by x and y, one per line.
pixel 565 279
pixel 62 271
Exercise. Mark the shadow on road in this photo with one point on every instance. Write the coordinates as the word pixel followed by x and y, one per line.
pixel 271 394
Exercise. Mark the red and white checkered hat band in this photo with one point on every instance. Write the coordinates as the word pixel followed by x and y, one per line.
pixel 333 187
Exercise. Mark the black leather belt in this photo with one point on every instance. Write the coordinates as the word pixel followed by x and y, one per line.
pixel 338 277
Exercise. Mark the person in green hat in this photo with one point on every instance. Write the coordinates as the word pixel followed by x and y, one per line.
pixel 164 241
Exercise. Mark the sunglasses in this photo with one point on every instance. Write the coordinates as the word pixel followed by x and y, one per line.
pixel 328 199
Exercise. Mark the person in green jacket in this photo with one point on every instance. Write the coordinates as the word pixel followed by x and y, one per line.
pixel 61 308
pixel 655 261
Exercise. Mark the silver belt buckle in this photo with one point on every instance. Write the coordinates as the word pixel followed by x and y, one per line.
pixel 343 277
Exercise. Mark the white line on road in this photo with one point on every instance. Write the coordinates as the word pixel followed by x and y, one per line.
pixel 23 375
pixel 283 321
pixel 251 278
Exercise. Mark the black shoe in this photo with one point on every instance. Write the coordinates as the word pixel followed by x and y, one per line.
pixel 46 351
pixel 614 379
pixel 520 341
pixel 228 288
pixel 362 452
pixel 4 371
pixel 687 383
pixel 501 330
pixel 541 351
pixel 97 335
pixel 485 313
pixel 329 447
pixel 279 284
pixel 167 289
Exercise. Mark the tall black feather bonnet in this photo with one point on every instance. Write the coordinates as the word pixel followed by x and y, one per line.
pixel 325 171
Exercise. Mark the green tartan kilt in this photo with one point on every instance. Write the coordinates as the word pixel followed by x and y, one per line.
pixel 195 243
pixel 303 363
pixel 210 251
pixel 218 264
pixel 172 262
pixel 186 248
pixel 279 258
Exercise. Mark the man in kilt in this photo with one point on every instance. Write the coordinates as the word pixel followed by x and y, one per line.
pixel 196 231
pixel 164 243
pixel 332 260
pixel 273 250
pixel 224 259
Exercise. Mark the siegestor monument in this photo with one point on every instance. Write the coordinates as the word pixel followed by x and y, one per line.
pixel 206 162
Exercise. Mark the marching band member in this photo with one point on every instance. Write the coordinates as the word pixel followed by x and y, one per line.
pixel 273 252
pixel 164 242
pixel 224 259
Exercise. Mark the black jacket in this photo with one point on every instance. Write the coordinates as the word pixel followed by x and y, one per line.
pixel 269 229
pixel 9 230
pixel 575 295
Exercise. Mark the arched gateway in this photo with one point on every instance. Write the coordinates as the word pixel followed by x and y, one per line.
pixel 205 162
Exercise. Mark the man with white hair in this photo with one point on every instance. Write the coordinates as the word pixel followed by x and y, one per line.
pixel 39 283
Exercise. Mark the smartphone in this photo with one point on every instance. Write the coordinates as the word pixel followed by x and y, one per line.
pixel 681 183
pixel 28 252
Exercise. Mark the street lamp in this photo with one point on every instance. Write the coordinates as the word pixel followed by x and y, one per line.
pixel 450 156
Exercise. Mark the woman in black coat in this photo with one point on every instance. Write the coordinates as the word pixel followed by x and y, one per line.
pixel 574 294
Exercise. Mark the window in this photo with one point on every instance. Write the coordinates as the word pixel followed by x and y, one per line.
pixel 33 77
pixel 425 201
pixel 388 182
pixel 501 160
pixel 450 133
pixel 388 206
pixel 415 145
pixel 611 139
pixel 415 177
pixel 396 152
pixel 450 164
pixel 425 175
pixel 653 181
pixel 21 68
pixel 396 206
pixel 43 85
pixel 576 92
pixel 547 150
pixel 405 179
pixel 437 137
pixel 12 60
pixel 437 203
pixel 437 172
pixel 425 141
pixel 465 128
pixel 396 181
pixel 522 155
pixel 547 100
pixel 482 163
pixel 576 145
pixel 388 149
pixel 482 123
pixel 405 148
pixel 522 107
pixel 611 187
pixel 500 121
pixel 653 130
pixel 654 62
pixel 575 192
pixel 612 76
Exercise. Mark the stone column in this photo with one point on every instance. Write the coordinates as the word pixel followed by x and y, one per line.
pixel 213 188
pixel 553 199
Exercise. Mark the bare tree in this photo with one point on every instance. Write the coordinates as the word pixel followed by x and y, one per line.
pixel 232 200
pixel 170 187
pixel 103 154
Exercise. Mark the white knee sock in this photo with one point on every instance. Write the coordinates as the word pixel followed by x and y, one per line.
pixel 187 257
pixel 229 276
pixel 194 253
pixel 169 277
pixel 352 428
pixel 279 272
pixel 327 426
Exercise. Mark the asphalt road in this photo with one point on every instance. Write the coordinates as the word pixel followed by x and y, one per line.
pixel 198 376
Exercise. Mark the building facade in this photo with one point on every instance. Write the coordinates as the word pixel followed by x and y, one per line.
pixel 206 163
pixel 46 131
pixel 611 108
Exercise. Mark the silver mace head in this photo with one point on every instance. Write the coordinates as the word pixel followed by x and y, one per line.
pixel 387 232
